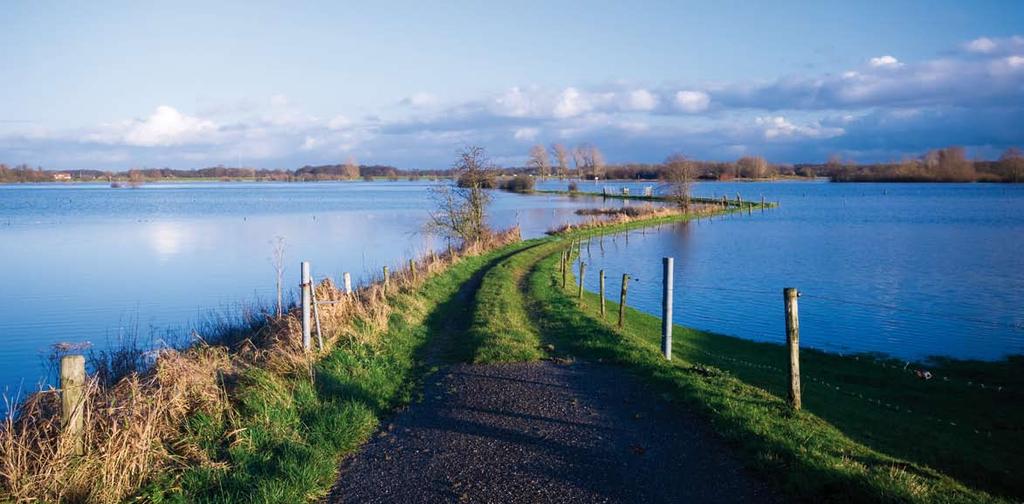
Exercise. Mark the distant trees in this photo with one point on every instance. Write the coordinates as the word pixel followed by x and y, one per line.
pixel 752 167
pixel 1011 165
pixel 588 160
pixel 461 210
pixel 350 169
pixel 539 160
pixel 562 158
pixel 678 172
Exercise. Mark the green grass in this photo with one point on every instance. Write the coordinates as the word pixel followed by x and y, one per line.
pixel 841 447
pixel 287 435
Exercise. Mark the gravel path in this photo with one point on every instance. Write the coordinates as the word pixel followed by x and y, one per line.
pixel 544 432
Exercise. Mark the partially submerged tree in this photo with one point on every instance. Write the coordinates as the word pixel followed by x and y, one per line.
pixel 1011 165
pixel 461 209
pixel 679 174
pixel 539 160
pixel 350 169
pixel 562 157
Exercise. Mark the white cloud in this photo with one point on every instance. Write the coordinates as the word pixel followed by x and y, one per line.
pixel 640 100
pixel 777 127
pixel 310 143
pixel 692 101
pixel 514 102
pixel 981 45
pixel 885 62
pixel 165 127
pixel 526 134
pixel 571 103
pixel 339 122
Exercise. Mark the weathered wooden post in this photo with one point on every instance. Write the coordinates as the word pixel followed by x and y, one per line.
pixel 347 279
pixel 583 268
pixel 387 278
pixel 601 277
pixel 307 305
pixel 790 294
pixel 622 299
pixel 666 307
pixel 72 400
pixel 565 267
pixel 412 269
pixel 725 202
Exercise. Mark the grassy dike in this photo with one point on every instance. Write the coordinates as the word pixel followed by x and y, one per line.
pixel 837 449
pixel 288 434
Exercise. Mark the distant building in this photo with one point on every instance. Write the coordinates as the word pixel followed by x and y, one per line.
pixel 61 176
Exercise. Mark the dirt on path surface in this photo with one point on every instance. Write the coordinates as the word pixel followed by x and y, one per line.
pixel 544 432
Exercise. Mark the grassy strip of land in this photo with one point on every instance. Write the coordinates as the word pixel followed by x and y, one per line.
pixel 839 448
pixel 810 457
pixel 289 433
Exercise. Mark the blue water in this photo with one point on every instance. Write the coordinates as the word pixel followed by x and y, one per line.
pixel 906 269
pixel 87 263
pixel 910 270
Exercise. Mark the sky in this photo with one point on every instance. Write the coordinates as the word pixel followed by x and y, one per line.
pixel 117 85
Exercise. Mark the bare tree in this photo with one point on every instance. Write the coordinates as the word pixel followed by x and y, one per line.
pixel 562 157
pixel 596 162
pixel 679 173
pixel 277 259
pixel 579 159
pixel 1011 164
pixel 461 210
pixel 752 167
pixel 350 169
pixel 539 160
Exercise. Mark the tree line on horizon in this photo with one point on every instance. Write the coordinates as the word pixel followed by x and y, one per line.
pixel 586 161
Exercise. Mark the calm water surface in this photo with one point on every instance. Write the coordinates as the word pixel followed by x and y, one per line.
pixel 905 269
pixel 87 263
pixel 910 270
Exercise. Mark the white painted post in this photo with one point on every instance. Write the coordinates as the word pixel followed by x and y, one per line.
pixel 666 308
pixel 789 295
pixel 307 304
pixel 348 282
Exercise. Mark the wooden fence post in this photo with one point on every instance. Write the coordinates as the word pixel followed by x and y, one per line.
pixel 307 305
pixel 666 307
pixel 565 267
pixel 386 280
pixel 601 276
pixel 72 400
pixel 622 299
pixel 793 344
pixel 412 269
pixel 583 268
pixel 347 278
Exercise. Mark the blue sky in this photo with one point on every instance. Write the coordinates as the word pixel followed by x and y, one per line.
pixel 113 85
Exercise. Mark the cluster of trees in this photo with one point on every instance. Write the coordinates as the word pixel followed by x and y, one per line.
pixel 587 161
pixel 940 165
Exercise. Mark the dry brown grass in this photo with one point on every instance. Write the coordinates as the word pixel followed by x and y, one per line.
pixel 613 217
pixel 134 427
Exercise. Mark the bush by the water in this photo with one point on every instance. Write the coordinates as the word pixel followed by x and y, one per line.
pixel 573 187
pixel 519 183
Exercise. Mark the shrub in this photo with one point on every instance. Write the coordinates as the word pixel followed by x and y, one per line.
pixel 519 184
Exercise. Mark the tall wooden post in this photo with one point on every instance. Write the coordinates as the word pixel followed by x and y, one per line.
pixel 72 400
pixel 565 267
pixel 601 277
pixel 583 268
pixel 790 294
pixel 622 299
pixel 387 279
pixel 666 307
pixel 412 269
pixel 347 278
pixel 307 305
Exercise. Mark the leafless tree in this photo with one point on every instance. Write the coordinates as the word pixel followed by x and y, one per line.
pixel 461 210
pixel 277 260
pixel 539 160
pixel 562 157
pixel 350 169
pixel 1011 164
pixel 579 159
pixel 679 174
pixel 752 167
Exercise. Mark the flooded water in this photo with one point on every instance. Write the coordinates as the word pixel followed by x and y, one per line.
pixel 87 263
pixel 905 269
pixel 910 270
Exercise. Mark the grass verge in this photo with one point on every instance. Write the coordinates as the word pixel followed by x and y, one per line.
pixel 288 433
pixel 811 456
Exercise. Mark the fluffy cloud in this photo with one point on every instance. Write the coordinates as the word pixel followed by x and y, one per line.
pixel 778 128
pixel 692 101
pixel 640 100
pixel 885 62
pixel 164 127
pixel 526 134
